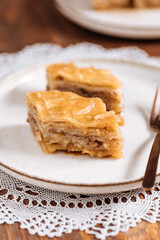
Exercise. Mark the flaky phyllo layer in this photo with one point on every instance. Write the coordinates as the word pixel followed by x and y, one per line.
pixel 67 121
pixel 107 4
pixel 87 82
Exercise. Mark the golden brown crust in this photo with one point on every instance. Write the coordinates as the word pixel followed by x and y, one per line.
pixel 146 3
pixel 71 108
pixel 111 97
pixel 67 121
pixel 89 76
pixel 109 4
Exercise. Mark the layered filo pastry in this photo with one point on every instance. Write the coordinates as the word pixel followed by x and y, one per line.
pixel 147 3
pixel 108 4
pixel 67 121
pixel 87 82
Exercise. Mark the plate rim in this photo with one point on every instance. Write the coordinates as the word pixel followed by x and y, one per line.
pixel 139 180
pixel 10 77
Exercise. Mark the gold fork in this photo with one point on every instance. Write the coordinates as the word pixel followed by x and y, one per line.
pixel 151 169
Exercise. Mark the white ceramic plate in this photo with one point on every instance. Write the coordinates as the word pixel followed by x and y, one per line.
pixel 22 157
pixel 128 23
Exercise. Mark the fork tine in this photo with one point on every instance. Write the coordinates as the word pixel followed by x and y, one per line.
pixel 155 108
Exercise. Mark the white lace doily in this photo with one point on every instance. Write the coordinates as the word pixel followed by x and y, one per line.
pixel 52 213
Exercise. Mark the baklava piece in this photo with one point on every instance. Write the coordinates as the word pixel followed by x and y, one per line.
pixel 67 121
pixel 146 3
pixel 107 4
pixel 87 82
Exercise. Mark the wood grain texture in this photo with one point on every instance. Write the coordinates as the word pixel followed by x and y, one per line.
pixel 25 22
pixel 143 231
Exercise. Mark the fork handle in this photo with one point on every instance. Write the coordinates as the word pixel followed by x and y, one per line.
pixel 151 169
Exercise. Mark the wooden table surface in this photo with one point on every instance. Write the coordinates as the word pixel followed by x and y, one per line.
pixel 25 22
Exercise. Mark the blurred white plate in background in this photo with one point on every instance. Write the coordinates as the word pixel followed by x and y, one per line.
pixel 142 24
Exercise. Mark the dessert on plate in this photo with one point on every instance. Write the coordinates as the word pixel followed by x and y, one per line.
pixel 87 82
pixel 106 4
pixel 146 3
pixel 67 121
